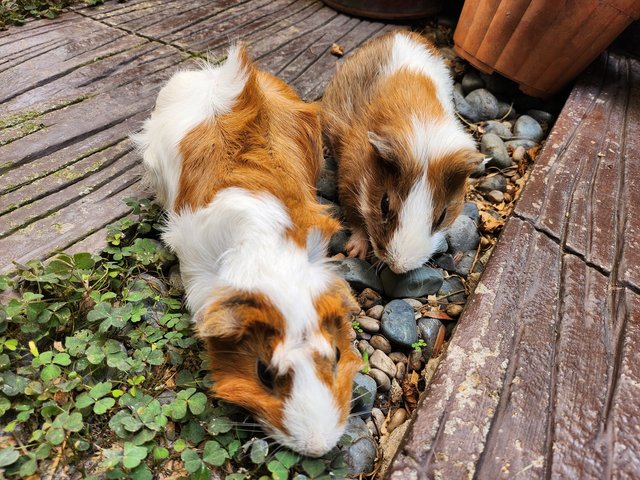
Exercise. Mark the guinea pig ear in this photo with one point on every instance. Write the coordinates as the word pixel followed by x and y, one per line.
pixel 231 316
pixel 459 166
pixel 381 145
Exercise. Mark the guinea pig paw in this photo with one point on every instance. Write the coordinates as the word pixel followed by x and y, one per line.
pixel 358 246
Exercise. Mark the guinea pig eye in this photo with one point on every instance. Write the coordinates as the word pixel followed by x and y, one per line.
pixel 384 206
pixel 265 375
pixel 337 355
pixel 440 219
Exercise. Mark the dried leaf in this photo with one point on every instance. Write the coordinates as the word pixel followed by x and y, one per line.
pixel 58 346
pixel 411 392
pixel 337 50
pixel 439 314
pixel 489 223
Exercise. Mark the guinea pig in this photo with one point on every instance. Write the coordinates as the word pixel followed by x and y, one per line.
pixel 403 157
pixel 233 155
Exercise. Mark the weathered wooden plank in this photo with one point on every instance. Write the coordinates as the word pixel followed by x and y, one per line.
pixel 485 379
pixel 585 190
pixel 43 238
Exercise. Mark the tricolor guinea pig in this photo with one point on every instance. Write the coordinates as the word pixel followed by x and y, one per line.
pixel 233 154
pixel 403 157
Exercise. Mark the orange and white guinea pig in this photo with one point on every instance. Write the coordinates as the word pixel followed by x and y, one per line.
pixel 233 154
pixel 403 157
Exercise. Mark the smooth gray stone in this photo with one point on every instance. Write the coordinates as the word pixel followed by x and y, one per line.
pixel 414 283
pixel 359 274
pixel 528 128
pixel 361 450
pixel 499 128
pixel 364 394
pixel 399 324
pixel 484 103
pixel 471 81
pixel 495 182
pixel 463 235
pixel 493 146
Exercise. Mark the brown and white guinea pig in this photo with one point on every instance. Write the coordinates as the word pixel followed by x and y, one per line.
pixel 233 156
pixel 403 157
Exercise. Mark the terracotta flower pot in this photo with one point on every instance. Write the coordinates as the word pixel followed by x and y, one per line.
pixel 540 44
pixel 387 9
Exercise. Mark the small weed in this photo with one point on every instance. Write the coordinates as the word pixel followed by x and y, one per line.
pixel 356 326
pixel 100 372
pixel 419 345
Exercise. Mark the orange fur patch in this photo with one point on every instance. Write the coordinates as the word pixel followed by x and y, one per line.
pixel 269 142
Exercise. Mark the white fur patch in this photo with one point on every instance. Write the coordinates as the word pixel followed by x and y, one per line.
pixel 407 53
pixel 188 99
pixel 239 240
pixel 310 414
pixel 435 138
pixel 411 244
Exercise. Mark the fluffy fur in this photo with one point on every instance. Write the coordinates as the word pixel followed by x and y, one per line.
pixel 233 155
pixel 403 157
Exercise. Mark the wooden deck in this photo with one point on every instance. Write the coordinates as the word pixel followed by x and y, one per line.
pixel 542 378
pixel 73 89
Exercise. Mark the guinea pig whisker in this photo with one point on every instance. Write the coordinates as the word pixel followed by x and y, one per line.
pixel 353 399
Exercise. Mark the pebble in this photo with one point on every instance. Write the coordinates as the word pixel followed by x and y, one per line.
pixel 382 362
pixel 470 210
pixel 338 242
pixel 378 418
pixel 397 419
pixel 369 324
pixel 365 346
pixel 506 111
pixel 375 312
pixel 471 81
pixel 493 146
pixel 463 265
pixel 363 336
pixel 398 323
pixel 484 103
pixel 364 394
pixel 352 334
pixel 451 285
pixel 541 116
pixel 445 261
pixel 395 393
pixel 518 154
pixel 499 128
pixel 439 243
pixel 429 330
pixel 326 184
pixel 359 274
pixel 398 357
pixel 463 107
pixel 380 343
pixel 529 128
pixel 454 310
pixel 498 84
pixel 381 379
pixel 415 304
pixel 369 298
pixel 495 196
pixel 524 142
pixel 414 283
pixel 462 235
pixel 415 360
pixel 402 370
pixel 361 453
pixel 372 430
pixel 494 182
